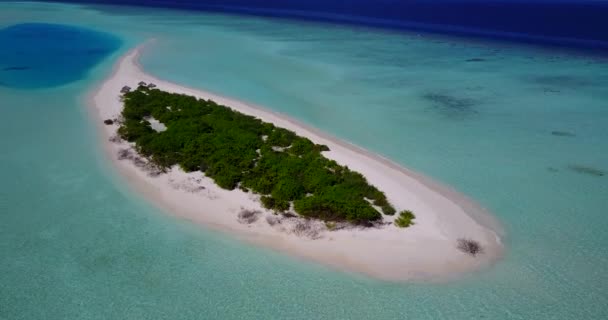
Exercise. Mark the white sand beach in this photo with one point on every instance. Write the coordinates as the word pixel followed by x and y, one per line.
pixel 425 251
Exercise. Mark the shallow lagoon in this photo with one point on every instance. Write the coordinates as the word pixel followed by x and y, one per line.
pixel 78 245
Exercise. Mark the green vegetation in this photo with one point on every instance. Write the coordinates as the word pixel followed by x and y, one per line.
pixel 237 150
pixel 405 219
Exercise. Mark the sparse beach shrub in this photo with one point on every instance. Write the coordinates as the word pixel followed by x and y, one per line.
pixel 248 216
pixel 330 225
pixel 469 246
pixel 305 228
pixel 108 122
pixel 115 139
pixel 288 214
pixel 124 154
pixel 273 220
pixel 405 219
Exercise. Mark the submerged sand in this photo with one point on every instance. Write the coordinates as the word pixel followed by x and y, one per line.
pixel 425 251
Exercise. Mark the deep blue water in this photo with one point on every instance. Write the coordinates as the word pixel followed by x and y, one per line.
pixel 40 55
pixel 573 23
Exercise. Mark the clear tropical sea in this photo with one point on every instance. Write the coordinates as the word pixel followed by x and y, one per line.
pixel 521 129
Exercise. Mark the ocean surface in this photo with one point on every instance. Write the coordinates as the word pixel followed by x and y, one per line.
pixel 580 23
pixel 521 129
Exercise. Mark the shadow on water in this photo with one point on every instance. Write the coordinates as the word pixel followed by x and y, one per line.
pixel 451 106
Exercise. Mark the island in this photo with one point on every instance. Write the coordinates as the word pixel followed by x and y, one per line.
pixel 270 180
pixel 237 150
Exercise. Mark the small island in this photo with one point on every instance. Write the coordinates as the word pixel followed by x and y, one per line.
pixel 270 180
pixel 241 151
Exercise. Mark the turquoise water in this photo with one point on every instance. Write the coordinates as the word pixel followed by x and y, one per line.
pixel 516 128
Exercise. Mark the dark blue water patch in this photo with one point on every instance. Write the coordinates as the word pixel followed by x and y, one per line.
pixel 571 23
pixel 41 55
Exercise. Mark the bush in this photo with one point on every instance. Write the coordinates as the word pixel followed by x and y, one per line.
pixel 388 210
pixel 405 219
pixel 322 147
pixel 281 205
pixel 275 204
pixel 273 220
pixel 267 202
pixel 469 246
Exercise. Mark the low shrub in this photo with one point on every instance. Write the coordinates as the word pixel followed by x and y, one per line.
pixel 405 219
pixel 388 210
pixel 330 225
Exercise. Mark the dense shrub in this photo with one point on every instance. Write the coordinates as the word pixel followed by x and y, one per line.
pixel 388 210
pixel 267 202
pixel 239 150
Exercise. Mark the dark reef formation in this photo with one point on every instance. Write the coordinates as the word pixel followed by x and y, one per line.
pixel 451 106
pixel 563 133
pixel 586 170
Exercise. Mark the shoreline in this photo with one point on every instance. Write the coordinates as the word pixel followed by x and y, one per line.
pixel 425 251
